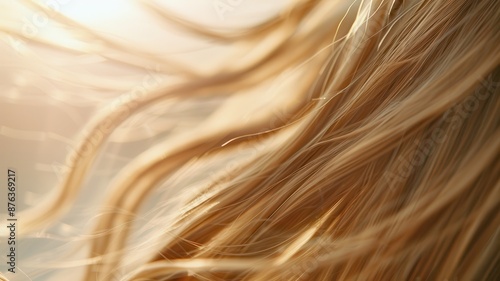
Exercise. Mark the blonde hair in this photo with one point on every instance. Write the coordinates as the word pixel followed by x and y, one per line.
pixel 376 158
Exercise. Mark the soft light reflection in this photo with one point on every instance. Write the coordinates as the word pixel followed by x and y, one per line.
pixel 96 11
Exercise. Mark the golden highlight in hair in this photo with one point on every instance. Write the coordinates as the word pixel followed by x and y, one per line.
pixel 376 157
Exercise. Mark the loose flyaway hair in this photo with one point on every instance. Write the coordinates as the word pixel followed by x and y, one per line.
pixel 359 140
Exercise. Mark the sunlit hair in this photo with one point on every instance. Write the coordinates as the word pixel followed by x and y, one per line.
pixel 371 151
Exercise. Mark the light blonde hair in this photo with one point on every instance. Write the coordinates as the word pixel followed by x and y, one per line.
pixel 377 158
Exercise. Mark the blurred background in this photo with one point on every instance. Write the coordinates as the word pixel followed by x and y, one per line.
pixel 54 78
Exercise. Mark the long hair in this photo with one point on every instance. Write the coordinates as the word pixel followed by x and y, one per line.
pixel 350 140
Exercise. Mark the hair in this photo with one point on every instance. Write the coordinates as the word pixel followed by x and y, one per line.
pixel 368 150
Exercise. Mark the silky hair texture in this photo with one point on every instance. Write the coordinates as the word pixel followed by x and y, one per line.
pixel 376 158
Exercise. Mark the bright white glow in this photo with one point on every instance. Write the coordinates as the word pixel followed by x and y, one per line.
pixel 96 11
